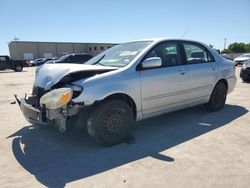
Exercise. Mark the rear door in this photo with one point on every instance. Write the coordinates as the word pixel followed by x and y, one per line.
pixel 164 88
pixel 203 71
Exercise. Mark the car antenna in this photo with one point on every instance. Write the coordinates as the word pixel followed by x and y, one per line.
pixel 184 32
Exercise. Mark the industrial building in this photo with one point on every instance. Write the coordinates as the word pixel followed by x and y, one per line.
pixel 33 50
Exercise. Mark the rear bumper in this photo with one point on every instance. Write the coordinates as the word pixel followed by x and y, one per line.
pixel 239 62
pixel 245 74
pixel 231 84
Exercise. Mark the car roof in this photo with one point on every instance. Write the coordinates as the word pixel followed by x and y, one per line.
pixel 161 39
pixel 77 54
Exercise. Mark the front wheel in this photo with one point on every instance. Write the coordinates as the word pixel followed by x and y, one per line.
pixel 218 97
pixel 110 122
pixel 18 68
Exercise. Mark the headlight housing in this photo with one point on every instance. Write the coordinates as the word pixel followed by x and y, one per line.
pixel 77 90
pixel 56 98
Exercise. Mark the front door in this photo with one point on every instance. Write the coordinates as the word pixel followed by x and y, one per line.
pixel 3 62
pixel 164 88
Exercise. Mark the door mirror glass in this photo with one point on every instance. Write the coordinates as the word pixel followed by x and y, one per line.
pixel 152 62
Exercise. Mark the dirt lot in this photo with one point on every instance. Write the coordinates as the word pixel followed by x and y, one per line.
pixel 188 148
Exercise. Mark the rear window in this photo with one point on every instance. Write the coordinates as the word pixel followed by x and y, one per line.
pixel 196 53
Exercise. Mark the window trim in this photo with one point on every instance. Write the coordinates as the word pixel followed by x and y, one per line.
pixel 179 49
pixel 199 45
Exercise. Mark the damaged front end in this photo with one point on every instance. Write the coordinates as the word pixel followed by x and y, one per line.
pixel 51 99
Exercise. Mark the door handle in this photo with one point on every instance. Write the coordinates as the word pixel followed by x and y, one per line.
pixel 213 67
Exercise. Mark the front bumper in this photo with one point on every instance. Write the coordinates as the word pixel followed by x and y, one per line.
pixel 33 115
pixel 43 116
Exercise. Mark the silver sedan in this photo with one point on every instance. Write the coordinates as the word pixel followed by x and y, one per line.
pixel 129 82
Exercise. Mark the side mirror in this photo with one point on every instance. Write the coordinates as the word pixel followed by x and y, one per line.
pixel 152 62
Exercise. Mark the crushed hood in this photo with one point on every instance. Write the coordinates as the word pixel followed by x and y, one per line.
pixel 50 74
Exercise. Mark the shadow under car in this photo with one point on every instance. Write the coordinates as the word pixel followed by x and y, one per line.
pixel 56 159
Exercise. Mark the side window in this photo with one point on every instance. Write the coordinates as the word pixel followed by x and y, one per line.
pixel 72 59
pixel 196 54
pixel 67 60
pixel 2 58
pixel 86 58
pixel 76 58
pixel 80 58
pixel 168 52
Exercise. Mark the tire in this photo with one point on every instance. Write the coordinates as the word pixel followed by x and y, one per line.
pixel 218 97
pixel 18 68
pixel 110 122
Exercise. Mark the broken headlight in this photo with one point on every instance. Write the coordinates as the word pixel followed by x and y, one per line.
pixel 56 98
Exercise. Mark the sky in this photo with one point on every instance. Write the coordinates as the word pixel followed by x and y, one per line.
pixel 124 20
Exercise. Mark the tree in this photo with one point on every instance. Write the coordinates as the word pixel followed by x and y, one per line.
pixel 247 47
pixel 226 51
pixel 237 47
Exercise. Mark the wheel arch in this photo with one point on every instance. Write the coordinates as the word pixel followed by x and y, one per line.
pixel 224 81
pixel 124 97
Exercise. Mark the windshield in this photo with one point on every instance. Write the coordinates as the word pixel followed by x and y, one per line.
pixel 120 55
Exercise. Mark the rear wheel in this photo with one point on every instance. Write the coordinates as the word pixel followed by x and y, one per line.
pixel 110 122
pixel 18 68
pixel 218 97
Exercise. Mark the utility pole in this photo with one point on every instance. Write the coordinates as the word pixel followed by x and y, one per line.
pixel 225 42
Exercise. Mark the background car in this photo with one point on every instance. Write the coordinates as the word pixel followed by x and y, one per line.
pixel 72 58
pixel 242 58
pixel 245 71
pixel 7 63
pixel 39 61
pixel 226 56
